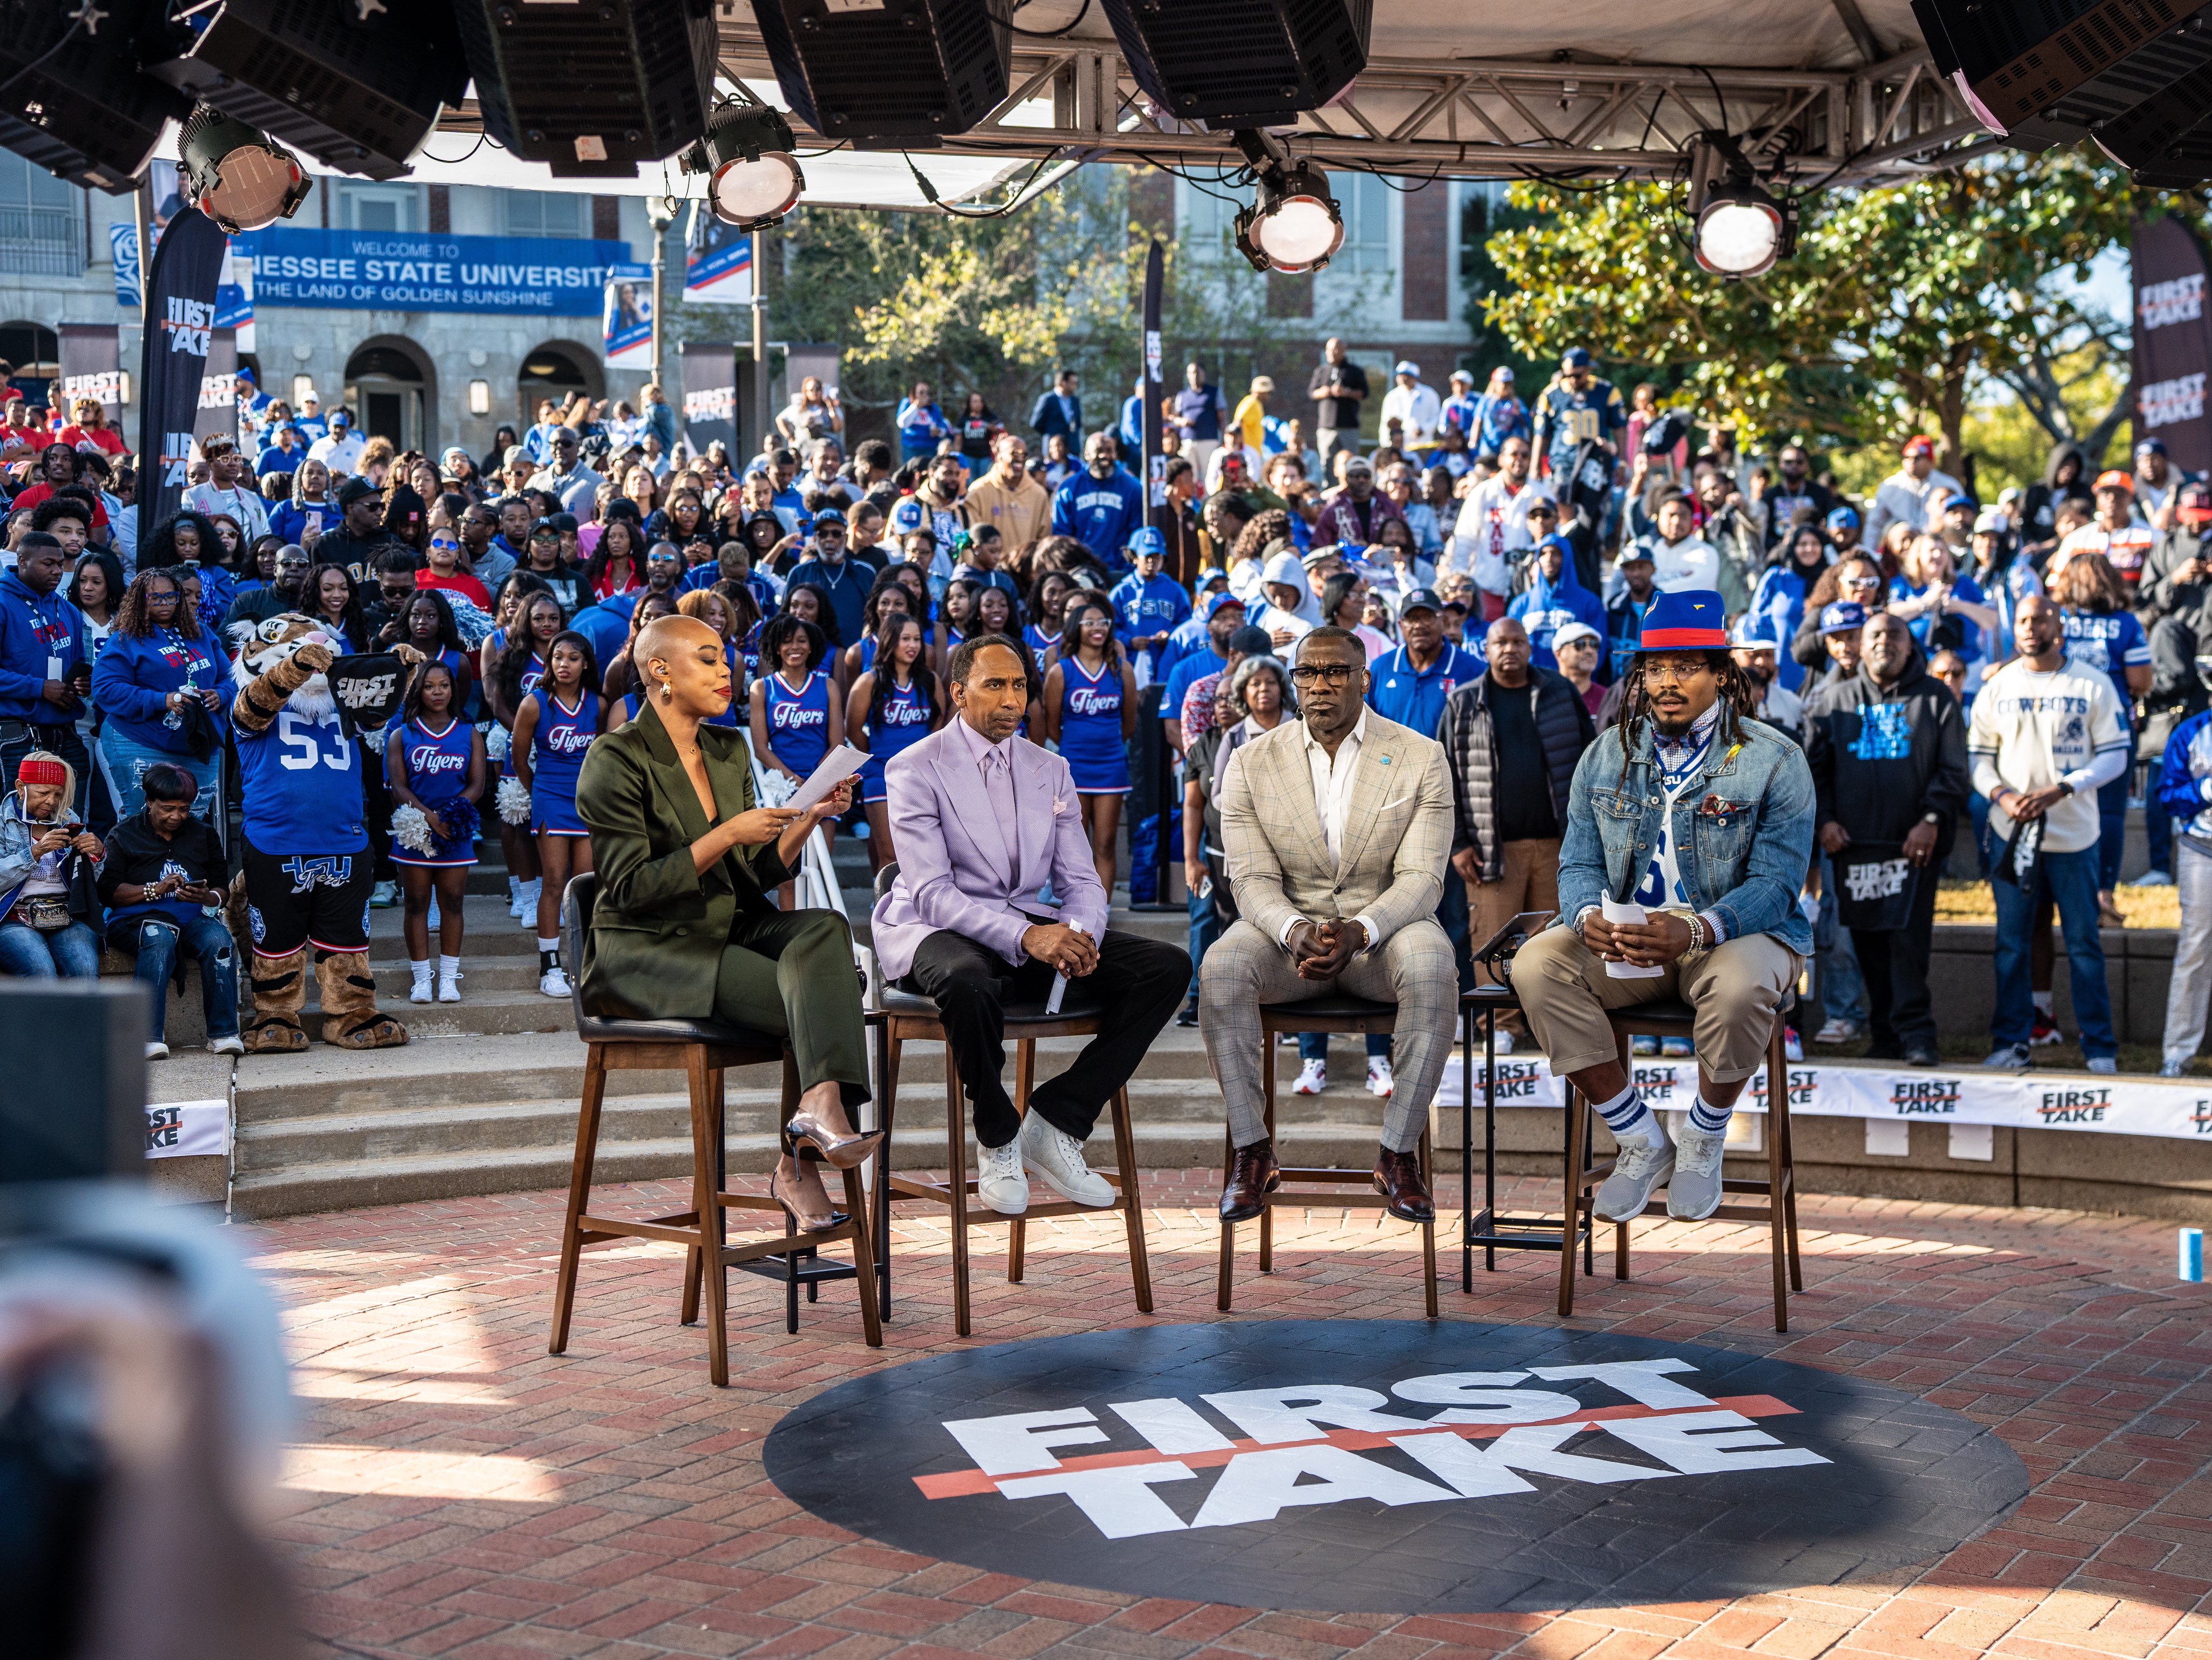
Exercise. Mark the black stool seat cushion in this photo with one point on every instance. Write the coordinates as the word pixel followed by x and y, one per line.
pixel 612 1028
pixel 1335 1005
pixel 1073 1006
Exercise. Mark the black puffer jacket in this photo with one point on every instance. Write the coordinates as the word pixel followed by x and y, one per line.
pixel 1563 727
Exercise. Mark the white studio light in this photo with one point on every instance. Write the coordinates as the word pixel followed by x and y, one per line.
pixel 753 178
pixel 1739 238
pixel 1293 224
pixel 239 176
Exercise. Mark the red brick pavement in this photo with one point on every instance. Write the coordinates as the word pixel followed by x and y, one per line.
pixel 465 1495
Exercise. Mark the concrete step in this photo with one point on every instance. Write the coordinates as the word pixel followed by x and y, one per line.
pixel 498 971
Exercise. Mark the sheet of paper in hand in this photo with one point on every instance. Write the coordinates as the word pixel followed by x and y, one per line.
pixel 369 688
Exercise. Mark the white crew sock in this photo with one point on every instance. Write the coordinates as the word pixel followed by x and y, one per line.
pixel 450 967
pixel 1713 1119
pixel 1631 1121
pixel 422 967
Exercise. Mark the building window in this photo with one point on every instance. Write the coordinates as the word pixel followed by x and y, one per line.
pixel 545 213
pixel 1364 201
pixel 379 207
pixel 1209 220
pixel 41 220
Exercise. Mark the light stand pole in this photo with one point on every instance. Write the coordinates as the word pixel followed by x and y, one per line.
pixel 661 212
pixel 757 415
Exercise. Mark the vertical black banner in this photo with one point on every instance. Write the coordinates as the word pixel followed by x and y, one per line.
pixel 179 324
pixel 1153 834
pixel 2173 342
pixel 1155 463
pixel 710 397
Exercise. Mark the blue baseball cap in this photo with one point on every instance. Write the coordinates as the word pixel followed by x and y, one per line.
pixel 1407 366
pixel 1577 357
pixel 1754 630
pixel 1214 602
pixel 909 515
pixel 1691 619
pixel 2151 446
pixel 1145 541
pixel 1842 617
pixel 1211 574
pixel 1843 519
pixel 1959 500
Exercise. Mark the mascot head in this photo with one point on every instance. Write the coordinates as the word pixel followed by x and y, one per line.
pixel 262 645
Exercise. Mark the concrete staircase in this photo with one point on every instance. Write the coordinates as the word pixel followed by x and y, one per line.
pixel 485 1098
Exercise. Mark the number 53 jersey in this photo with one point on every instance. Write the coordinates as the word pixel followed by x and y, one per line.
pixel 302 784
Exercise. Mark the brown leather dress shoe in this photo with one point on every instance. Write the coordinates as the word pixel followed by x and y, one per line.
pixel 1252 1174
pixel 1398 1178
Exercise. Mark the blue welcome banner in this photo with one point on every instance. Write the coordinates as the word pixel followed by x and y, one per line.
pixel 560 276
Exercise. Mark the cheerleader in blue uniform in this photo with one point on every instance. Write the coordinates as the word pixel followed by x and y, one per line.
pixel 558 719
pixel 434 760
pixel 512 674
pixel 1091 711
pixel 1047 602
pixel 888 595
pixel 796 720
pixel 892 707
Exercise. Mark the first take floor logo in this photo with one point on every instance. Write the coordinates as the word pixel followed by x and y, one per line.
pixel 1390 1466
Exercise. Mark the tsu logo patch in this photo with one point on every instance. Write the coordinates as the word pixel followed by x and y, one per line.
pixel 1393 1467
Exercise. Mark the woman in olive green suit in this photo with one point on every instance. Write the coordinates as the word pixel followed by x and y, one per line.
pixel 685 926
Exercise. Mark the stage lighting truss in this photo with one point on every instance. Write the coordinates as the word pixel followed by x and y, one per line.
pixel 241 177
pixel 1293 224
pixel 1741 229
pixel 753 178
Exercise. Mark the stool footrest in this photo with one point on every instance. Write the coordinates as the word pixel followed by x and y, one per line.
pixel 909 1187
pixel 1293 1173
pixel 669 1228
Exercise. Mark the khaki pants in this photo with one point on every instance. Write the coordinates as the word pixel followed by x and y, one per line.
pixel 1530 881
pixel 1734 988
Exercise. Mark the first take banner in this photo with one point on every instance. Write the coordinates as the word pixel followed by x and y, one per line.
pixel 2022 1101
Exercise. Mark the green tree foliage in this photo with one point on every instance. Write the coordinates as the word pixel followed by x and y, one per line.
pixel 1900 303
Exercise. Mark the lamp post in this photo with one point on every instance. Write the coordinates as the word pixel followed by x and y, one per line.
pixel 661 211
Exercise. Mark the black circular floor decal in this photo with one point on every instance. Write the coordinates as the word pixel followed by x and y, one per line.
pixel 1393 1467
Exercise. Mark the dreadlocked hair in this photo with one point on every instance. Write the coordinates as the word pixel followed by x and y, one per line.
pixel 1739 700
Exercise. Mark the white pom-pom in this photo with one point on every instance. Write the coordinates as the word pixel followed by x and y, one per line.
pixel 514 800
pixel 499 742
pixel 410 828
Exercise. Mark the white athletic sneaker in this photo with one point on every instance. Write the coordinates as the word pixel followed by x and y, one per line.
pixel 420 992
pixel 1837 1030
pixel 1057 1157
pixel 2012 1057
pixel 1313 1077
pixel 2173 1067
pixel 1379 1081
pixel 1506 1043
pixel 999 1182
pixel 1694 1192
pixel 157 1050
pixel 233 1044
pixel 553 982
pixel 2103 1063
pixel 1637 1172
pixel 449 987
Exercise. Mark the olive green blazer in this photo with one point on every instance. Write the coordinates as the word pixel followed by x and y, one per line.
pixel 658 930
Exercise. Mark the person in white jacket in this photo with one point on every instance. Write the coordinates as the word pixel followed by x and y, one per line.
pixel 1493 524
pixel 1416 407
pixel 1913 495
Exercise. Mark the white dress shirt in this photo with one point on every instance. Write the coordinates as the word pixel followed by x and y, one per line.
pixel 1332 788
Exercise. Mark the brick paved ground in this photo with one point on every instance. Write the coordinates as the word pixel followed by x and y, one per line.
pixel 463 1493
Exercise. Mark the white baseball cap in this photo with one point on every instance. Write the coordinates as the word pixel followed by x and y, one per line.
pixel 1570 632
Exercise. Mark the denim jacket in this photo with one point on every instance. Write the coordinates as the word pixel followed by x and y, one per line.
pixel 1743 831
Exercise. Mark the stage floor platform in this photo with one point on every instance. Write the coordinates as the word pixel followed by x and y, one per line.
pixel 454 1491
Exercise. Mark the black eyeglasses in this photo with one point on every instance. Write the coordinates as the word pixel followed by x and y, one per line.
pixel 1336 674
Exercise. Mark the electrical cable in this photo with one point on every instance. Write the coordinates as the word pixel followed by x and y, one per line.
pixel 929 192
pixel 1719 97
pixel 1061 32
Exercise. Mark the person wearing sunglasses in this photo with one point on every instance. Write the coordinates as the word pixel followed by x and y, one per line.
pixel 1337 827
pixel 441 569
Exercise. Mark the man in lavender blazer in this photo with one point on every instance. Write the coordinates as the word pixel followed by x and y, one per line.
pixel 980 821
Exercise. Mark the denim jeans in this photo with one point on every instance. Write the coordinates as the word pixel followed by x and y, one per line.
pixel 1314 1045
pixel 2070 879
pixel 29 953
pixel 1205 929
pixel 159 942
pixel 123 764
pixel 1836 965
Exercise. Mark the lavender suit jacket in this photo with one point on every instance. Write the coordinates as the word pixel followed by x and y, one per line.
pixel 951 851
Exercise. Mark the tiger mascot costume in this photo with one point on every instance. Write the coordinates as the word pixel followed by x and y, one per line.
pixel 308 870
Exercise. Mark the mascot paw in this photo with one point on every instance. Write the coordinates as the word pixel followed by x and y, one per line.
pixel 381 1033
pixel 411 655
pixel 275 1037
pixel 314 659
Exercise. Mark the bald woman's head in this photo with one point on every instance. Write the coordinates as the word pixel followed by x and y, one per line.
pixel 679 662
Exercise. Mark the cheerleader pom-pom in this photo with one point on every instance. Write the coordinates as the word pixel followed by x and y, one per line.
pixel 498 741
pixel 514 800
pixel 463 825
pixel 411 829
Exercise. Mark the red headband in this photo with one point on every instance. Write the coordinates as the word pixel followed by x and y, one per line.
pixel 50 774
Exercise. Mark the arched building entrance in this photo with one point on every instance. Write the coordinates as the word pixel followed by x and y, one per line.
pixel 392 393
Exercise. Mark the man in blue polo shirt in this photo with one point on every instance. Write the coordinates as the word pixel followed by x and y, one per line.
pixel 1409 686
pixel 1225 614
pixel 1102 507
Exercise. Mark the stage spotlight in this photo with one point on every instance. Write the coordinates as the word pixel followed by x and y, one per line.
pixel 753 179
pixel 896 73
pixel 1741 230
pixel 72 98
pixel 239 176
pixel 1293 224
pixel 1242 63
pixel 357 86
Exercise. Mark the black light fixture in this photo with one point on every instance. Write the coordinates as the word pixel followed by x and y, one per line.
pixel 1742 230
pixel 239 176
pixel 753 178
pixel 1294 223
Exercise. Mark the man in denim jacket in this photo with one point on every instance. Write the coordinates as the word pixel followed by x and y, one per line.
pixel 1692 809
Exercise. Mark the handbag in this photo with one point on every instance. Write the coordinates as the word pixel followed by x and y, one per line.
pixel 46 912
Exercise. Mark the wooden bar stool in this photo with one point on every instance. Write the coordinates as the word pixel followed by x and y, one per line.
pixel 1673 1019
pixel 703 1050
pixel 902 1018
pixel 1333 1014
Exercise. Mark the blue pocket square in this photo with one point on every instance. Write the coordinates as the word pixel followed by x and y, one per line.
pixel 1382 760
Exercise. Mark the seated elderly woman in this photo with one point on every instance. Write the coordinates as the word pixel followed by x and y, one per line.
pixel 685 927
pixel 48 863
